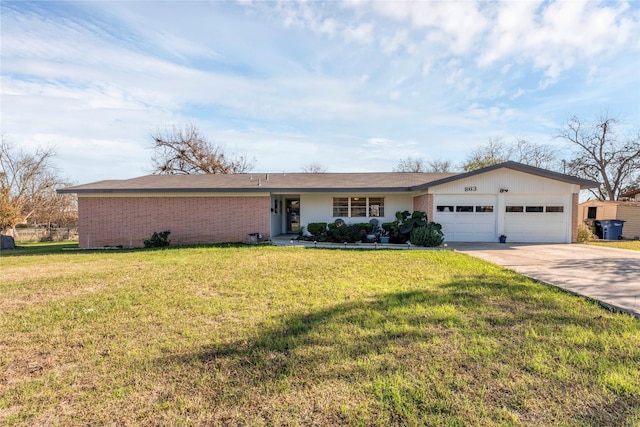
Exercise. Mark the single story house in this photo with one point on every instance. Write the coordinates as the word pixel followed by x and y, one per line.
pixel 526 203
pixel 633 196
pixel 613 209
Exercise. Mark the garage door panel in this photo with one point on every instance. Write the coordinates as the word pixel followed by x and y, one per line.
pixel 466 226
pixel 470 237
pixel 547 227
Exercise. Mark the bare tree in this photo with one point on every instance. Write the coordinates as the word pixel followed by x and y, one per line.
pixel 601 155
pixel 493 152
pixel 497 151
pixel 187 151
pixel 314 167
pixel 538 155
pixel 411 164
pixel 439 165
pixel 28 182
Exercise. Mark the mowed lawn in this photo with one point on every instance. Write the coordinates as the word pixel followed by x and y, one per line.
pixel 263 335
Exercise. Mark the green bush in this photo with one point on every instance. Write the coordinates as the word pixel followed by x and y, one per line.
pixel 585 234
pixel 317 228
pixel 158 239
pixel 339 233
pixel 400 229
pixel 427 235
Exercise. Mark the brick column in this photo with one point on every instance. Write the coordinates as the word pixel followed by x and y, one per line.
pixel 424 203
pixel 574 218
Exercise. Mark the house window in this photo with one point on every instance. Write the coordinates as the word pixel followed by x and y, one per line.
pixel 512 209
pixel 555 209
pixel 591 212
pixel 444 208
pixel 484 208
pixel 464 208
pixel 340 206
pixel 358 206
pixel 354 207
pixel 376 206
pixel 534 209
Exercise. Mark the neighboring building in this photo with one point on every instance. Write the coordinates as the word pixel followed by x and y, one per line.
pixel 632 195
pixel 606 209
pixel 527 204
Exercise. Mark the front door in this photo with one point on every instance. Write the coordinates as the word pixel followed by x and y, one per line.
pixel 293 215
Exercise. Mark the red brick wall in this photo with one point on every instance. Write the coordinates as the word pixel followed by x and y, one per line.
pixel 128 221
pixel 424 203
pixel 574 218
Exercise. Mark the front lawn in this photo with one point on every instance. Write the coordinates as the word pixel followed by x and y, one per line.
pixel 292 336
pixel 633 245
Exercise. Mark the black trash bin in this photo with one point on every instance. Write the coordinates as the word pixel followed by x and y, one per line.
pixel 612 229
pixel 597 229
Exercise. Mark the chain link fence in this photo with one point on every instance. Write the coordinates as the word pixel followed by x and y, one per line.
pixel 43 234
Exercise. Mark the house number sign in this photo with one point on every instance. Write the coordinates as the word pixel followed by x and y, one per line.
pixel 472 188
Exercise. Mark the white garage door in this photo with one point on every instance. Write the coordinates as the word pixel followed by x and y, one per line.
pixel 536 219
pixel 467 218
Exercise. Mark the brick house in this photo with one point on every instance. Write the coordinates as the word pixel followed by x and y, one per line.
pixel 526 203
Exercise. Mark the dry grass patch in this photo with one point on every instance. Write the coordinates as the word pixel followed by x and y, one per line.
pixel 633 245
pixel 289 336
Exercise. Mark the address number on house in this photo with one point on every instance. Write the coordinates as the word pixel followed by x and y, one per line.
pixel 472 188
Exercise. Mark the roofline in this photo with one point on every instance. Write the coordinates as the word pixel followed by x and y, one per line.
pixel 71 190
pixel 631 193
pixel 584 183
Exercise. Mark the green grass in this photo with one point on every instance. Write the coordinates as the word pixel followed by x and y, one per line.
pixel 291 336
pixel 38 248
pixel 633 245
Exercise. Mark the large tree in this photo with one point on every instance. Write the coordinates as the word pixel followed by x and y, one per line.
pixel 496 150
pixel 28 182
pixel 187 151
pixel 602 154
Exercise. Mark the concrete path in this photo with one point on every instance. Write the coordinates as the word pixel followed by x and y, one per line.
pixel 612 276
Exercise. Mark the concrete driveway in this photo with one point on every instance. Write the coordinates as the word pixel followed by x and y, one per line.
pixel 612 276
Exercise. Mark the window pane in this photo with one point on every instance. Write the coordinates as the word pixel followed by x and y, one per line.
pixel 358 206
pixel 515 209
pixel 464 208
pixel 444 208
pixel 484 208
pixel 555 208
pixel 535 209
pixel 340 206
pixel 376 206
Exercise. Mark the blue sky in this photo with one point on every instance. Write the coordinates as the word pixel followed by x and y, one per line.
pixel 353 85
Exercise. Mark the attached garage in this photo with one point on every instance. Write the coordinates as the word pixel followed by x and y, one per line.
pixel 525 203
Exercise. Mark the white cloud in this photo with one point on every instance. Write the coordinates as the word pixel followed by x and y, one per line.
pixel 288 81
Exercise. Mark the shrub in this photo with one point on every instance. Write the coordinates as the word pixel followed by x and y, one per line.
pixel 158 239
pixel 585 234
pixel 317 228
pixel 427 235
pixel 339 232
pixel 405 222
